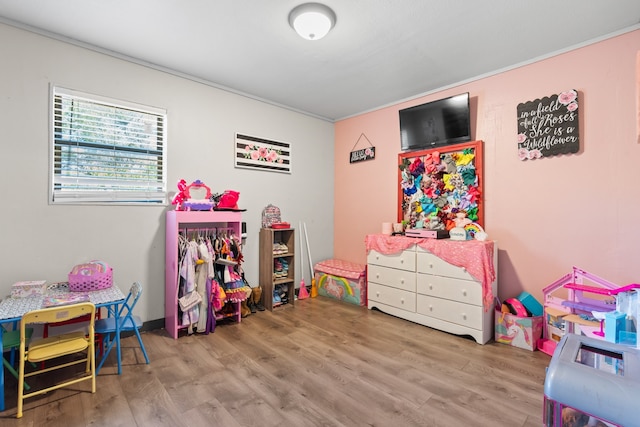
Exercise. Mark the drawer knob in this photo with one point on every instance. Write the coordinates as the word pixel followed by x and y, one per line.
pixel 430 307
pixel 430 287
pixel 377 275
pixel 464 316
pixel 401 261
pixel 401 300
pixel 377 294
pixel 464 269
pixel 402 281
pixel 464 293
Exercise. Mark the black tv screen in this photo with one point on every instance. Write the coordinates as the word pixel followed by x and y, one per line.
pixel 435 124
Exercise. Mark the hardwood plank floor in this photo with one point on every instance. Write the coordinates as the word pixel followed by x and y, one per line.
pixel 320 363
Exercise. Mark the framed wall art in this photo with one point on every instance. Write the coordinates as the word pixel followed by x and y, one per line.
pixel 263 154
pixel 549 126
pixel 438 186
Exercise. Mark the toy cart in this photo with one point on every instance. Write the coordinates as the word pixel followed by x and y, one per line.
pixel 591 382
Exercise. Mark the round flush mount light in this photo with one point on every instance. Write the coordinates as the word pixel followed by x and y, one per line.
pixel 312 21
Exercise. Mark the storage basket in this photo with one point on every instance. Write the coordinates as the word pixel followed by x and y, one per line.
pixel 92 276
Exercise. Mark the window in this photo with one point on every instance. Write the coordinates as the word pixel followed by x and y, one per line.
pixel 106 151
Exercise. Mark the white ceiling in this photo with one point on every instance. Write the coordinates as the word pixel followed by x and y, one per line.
pixel 379 53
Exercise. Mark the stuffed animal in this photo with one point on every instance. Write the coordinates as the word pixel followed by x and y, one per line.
pixel 574 418
pixel 461 220
pixel 435 223
pixel 449 163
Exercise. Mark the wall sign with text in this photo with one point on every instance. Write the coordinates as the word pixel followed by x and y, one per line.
pixel 363 154
pixel 368 153
pixel 548 126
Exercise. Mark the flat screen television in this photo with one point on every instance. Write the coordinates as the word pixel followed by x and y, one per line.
pixel 436 124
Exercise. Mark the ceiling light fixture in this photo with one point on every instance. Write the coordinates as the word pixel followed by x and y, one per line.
pixel 312 21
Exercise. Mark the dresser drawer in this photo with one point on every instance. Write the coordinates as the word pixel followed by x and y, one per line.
pixel 393 277
pixel 431 264
pixel 391 296
pixel 460 290
pixel 450 311
pixel 405 260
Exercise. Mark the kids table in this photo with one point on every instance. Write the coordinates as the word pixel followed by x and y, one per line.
pixel 12 309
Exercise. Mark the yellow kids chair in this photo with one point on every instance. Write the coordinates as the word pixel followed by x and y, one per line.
pixel 56 346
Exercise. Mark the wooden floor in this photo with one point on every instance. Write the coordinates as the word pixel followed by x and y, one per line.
pixel 320 363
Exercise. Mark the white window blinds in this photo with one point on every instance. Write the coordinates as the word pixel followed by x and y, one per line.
pixel 106 151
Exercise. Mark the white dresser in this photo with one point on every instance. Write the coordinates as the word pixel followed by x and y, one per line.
pixel 416 285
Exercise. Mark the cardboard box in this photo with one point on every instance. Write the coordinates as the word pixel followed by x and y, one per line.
pixel 522 332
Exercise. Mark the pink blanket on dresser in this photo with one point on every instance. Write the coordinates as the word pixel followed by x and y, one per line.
pixel 475 256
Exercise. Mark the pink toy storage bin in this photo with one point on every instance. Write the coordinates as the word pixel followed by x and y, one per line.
pixel 91 276
pixel 517 331
pixel 342 280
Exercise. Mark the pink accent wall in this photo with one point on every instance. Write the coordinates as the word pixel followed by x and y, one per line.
pixel 547 215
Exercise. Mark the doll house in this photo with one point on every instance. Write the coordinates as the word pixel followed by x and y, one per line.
pixel 584 296
pixel 568 306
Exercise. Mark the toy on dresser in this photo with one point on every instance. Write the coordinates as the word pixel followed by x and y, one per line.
pixel 466 229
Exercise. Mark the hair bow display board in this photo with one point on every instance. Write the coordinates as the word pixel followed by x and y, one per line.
pixel 436 185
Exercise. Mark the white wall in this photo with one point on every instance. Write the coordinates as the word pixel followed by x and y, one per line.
pixel 41 241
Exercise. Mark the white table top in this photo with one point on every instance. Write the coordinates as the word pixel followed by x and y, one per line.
pixel 11 308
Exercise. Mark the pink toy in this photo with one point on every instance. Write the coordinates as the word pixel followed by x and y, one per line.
pixel 229 200
pixel 204 204
pixel 461 220
pixel 184 202
pixel 181 195
pixel 516 307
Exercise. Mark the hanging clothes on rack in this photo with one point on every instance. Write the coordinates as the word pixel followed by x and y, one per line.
pixel 204 273
pixel 183 227
pixel 188 274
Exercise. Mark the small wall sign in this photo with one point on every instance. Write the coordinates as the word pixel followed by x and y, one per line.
pixel 363 154
pixel 368 153
pixel 548 126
